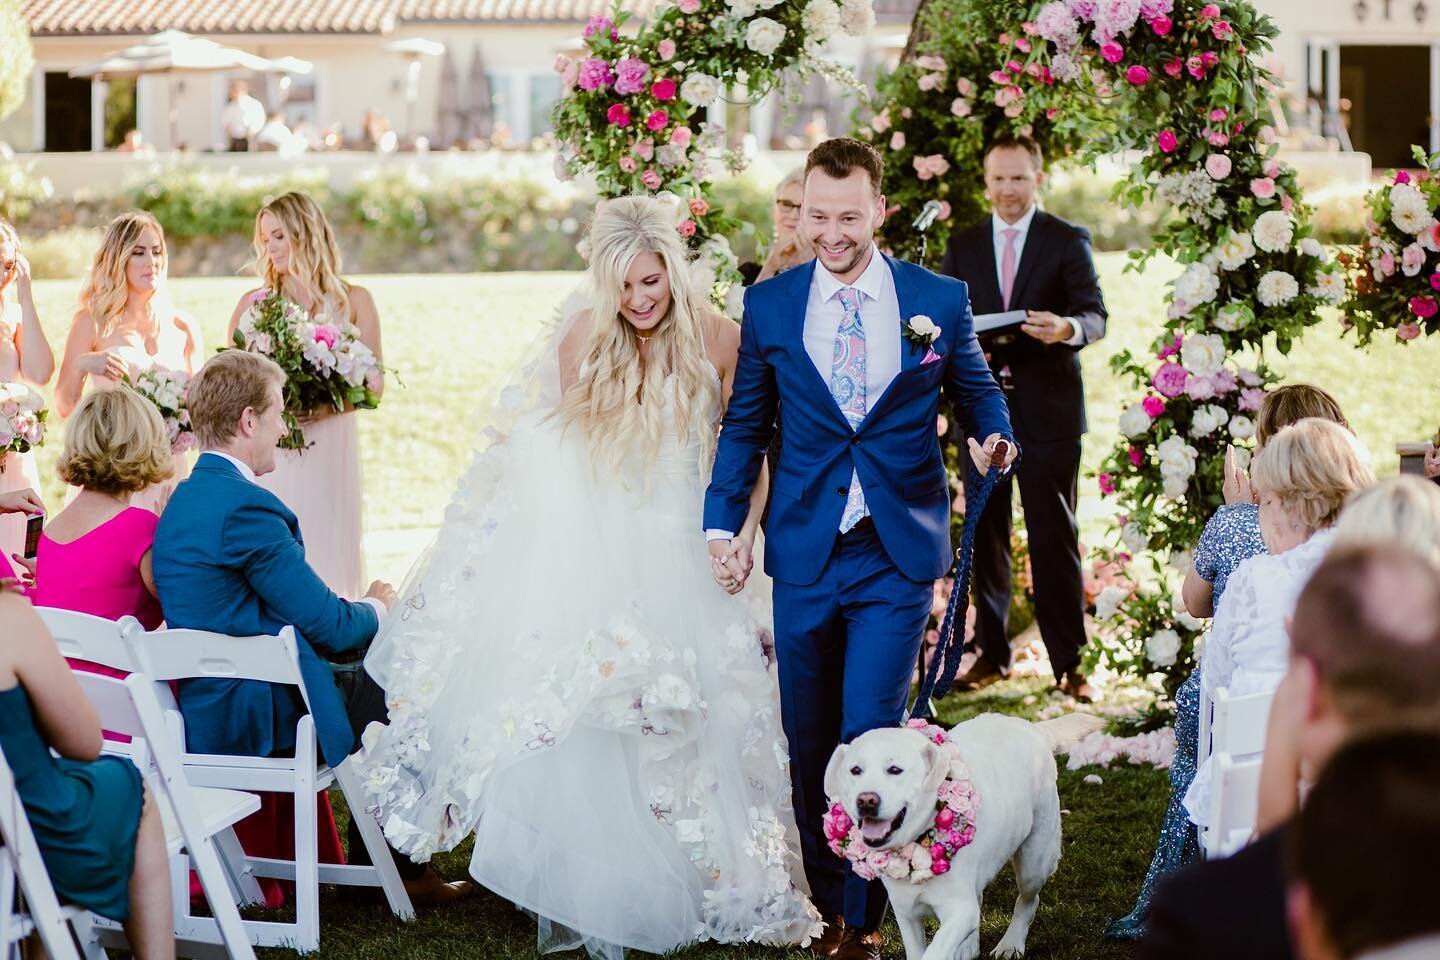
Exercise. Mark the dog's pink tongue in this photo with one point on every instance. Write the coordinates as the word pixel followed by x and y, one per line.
pixel 873 829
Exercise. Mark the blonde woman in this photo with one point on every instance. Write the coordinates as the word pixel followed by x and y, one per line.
pixel 125 325
pixel 562 655
pixel 25 357
pixel 296 255
pixel 1401 511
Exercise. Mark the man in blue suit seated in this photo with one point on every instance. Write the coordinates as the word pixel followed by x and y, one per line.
pixel 229 559
pixel 856 348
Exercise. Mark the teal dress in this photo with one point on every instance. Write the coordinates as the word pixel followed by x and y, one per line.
pixel 84 813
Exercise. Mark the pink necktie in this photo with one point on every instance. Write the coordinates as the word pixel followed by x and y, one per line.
pixel 1007 265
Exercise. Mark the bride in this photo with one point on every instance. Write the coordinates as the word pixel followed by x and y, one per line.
pixel 564 678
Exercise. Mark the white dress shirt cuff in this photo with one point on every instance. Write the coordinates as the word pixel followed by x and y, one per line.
pixel 1077 333
pixel 380 609
pixel 718 534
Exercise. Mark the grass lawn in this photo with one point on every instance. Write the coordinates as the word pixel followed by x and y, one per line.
pixel 453 339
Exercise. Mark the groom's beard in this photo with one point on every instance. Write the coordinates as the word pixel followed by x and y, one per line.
pixel 857 253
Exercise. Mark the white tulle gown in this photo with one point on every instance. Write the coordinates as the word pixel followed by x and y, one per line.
pixel 566 680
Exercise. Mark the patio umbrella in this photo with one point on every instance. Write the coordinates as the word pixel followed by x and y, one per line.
pixel 480 118
pixel 448 118
pixel 412 49
pixel 172 52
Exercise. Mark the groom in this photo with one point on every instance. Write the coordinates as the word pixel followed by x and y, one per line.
pixel 860 504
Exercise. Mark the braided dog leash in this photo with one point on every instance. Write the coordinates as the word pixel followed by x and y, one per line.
pixel 948 650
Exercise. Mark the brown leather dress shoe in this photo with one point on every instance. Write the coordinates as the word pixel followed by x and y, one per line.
pixel 1075 684
pixel 830 939
pixel 430 890
pixel 857 944
pixel 981 674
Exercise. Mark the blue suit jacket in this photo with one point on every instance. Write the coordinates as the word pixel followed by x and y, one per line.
pixel 895 450
pixel 229 559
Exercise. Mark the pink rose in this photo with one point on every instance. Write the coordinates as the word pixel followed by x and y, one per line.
pixel 651 179
pixel 1022 44
pixel 1435 281
pixel 1251 398
pixel 1272 168
pixel 1218 138
pixel 689 6
pixel 1112 52
pixel 944 214
pixel 630 75
pixel 627 164
pixel 897 140
pixel 1222 30
pixel 663 90
pixel 1137 457
pixel 699 207
pixel 938 865
pixel 686 228
pixel 944 817
pixel 618 115
pixel 1423 307
pixel 1408 331
pixel 1263 187
pixel 680 136
pixel 1174 66
pixel 1107 484
pixel 595 74
pixel 960 107
pixel 326 334
pixel 1209 12
pixel 657 120
pixel 1209 58
pixel 666 48
pixel 964 87
pixel 1162 26
pixel 1052 112
pixel 1170 379
pixel 1195 68
pixel 1137 75
pixel 1166 141
pixel 999 76
pixel 1153 405
pixel 1217 165
pixel 1218 114
pixel 1402 176
pixel 600 25
pixel 1286 203
pixel 1171 348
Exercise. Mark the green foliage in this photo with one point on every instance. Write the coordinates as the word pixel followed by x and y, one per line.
pixel 191 202
pixel 17 58
pixel 20 192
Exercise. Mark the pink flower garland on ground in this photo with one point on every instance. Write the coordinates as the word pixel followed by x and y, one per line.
pixel 957 805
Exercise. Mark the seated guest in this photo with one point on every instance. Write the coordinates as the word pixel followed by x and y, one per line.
pixel 229 559
pixel 1403 511
pixel 1365 653
pixel 95 555
pixel 99 834
pixel 788 247
pixel 1302 478
pixel 1362 887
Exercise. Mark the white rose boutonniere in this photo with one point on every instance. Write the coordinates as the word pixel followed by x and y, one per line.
pixel 921 331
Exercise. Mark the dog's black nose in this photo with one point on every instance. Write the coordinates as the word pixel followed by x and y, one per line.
pixel 867 804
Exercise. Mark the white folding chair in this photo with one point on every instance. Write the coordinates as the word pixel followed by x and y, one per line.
pixel 190 654
pixel 191 815
pixel 81 636
pixel 1234 799
pixel 1238 724
pixel 60 927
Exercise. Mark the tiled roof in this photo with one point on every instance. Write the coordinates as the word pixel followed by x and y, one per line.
pixel 49 18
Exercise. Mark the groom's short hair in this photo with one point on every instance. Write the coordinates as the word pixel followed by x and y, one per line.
pixel 842 156
pixel 220 391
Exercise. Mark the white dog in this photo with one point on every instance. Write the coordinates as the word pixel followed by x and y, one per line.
pixel 887 782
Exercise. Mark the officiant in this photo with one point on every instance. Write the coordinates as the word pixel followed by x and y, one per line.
pixel 1036 270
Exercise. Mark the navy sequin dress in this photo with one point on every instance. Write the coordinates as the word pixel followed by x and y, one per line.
pixel 1231 536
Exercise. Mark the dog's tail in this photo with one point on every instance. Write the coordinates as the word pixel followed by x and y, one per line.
pixel 1064 732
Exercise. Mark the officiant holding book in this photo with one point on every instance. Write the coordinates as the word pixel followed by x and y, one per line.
pixel 1033 273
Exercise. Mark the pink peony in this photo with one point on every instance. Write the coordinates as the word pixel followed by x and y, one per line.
pixel 1222 30
pixel 1200 388
pixel 686 228
pixel 1112 52
pixel 1171 348
pixel 644 149
pixel 1218 138
pixel 939 865
pixel 680 136
pixel 699 207
pixel 1209 12
pixel 1251 398
pixel 1217 165
pixel 663 90
pixel 1107 484
pixel 1153 405
pixel 1170 379
pixel 630 76
pixel 1166 141
pixel 1174 66
pixel 666 49
pixel 1408 331
pixel 1137 456
pixel 600 25
pixel 1263 187
pixel 1209 58
pixel 1195 68
pixel 1402 176
pixel 1218 114
pixel 1162 26
pixel 689 6
pixel 618 115
pixel 1137 75
pixel 627 164
pixel 658 120
pixel 651 179
pixel 1423 307
pixel 944 817
pixel 595 74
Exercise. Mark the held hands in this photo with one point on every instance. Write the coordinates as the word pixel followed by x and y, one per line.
pixel 984 456
pixel 1046 326
pixel 1236 486
pixel 382 591
pixel 104 363
pixel 730 563
pixel 21 501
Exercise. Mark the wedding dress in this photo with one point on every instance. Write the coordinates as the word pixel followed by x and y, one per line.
pixel 566 680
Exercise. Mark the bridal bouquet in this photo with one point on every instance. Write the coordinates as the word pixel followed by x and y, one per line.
pixel 166 389
pixel 325 362
pixel 1396 283
pixel 22 419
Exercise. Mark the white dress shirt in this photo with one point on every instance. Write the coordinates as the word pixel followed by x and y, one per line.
pixel 249 475
pixel 998 228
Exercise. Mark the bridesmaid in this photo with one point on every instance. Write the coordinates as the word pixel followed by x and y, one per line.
pixel 126 324
pixel 25 357
pixel 296 255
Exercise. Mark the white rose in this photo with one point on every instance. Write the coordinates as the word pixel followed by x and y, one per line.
pixel 1276 288
pixel 735 302
pixel 1173 485
pixel 700 89
pixel 1235 251
pixel 1242 456
pixel 1182 616
pixel 1134 421
pixel 1108 603
pixel 1181 561
pixel 764 36
pixel 743 8
pixel 1134 538
pixel 1242 427
pixel 896 867
pixel 1206 419
pixel 820 19
pixel 1313 248
pixel 923 326
pixel 1163 647
pixel 1273 231
pixel 857 17
pixel 767 4
pixel 703 276
pixel 920 858
pixel 1329 286
pixel 1202 354
pixel 1197 285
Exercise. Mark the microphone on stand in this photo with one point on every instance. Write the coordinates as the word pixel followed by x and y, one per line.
pixel 927 216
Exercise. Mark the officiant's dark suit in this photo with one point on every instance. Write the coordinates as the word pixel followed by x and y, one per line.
pixel 1053 274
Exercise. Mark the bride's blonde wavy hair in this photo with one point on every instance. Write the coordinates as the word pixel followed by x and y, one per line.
pixel 106 289
pixel 619 399
pixel 314 254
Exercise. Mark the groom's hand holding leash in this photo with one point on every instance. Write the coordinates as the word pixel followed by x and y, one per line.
pixel 997 451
